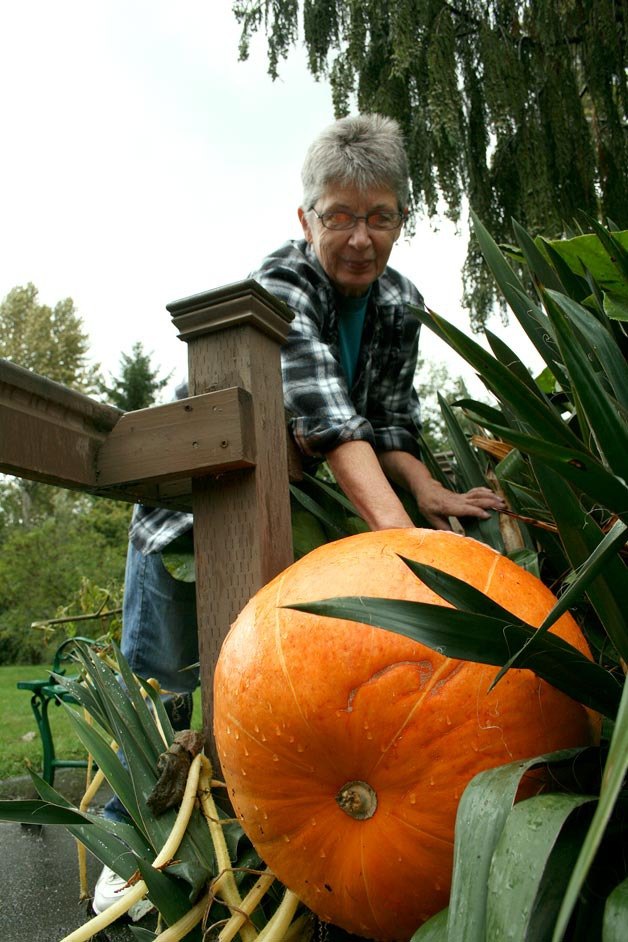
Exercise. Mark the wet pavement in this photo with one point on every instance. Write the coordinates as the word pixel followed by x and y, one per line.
pixel 39 878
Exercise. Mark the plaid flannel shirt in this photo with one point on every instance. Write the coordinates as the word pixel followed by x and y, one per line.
pixel 382 406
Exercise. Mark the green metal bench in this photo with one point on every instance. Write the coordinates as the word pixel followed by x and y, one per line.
pixel 44 692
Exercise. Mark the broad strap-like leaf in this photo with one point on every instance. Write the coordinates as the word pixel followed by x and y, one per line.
pixel 581 536
pixel 533 410
pixel 508 357
pixel 539 267
pixel 602 344
pixel 574 464
pixel 460 594
pixel 534 323
pixel 595 564
pixel 486 640
pixel 471 475
pixel 482 410
pixel 35 811
pixel 616 914
pixel 612 781
pixel 169 895
pixel 319 512
pixel 110 841
pixel 434 930
pixel 484 807
pixel 530 866
pixel 601 411
pixel 114 771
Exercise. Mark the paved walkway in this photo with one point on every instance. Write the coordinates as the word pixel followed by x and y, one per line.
pixel 39 873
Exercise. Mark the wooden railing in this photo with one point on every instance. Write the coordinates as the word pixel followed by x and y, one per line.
pixel 223 452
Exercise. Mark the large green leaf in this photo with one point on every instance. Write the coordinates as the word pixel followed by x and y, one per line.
pixel 574 464
pixel 141 753
pixel 484 807
pixel 530 407
pixel 434 930
pixel 601 343
pixel 536 261
pixel 534 322
pixel 112 842
pixel 471 475
pixel 486 640
pixel 574 285
pixel 329 519
pixel 616 914
pixel 602 414
pixel 178 558
pixel 587 253
pixel 612 781
pixel 581 536
pixel 530 867
pixel 594 565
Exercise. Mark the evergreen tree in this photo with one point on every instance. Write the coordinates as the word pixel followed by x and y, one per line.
pixel 520 104
pixel 138 383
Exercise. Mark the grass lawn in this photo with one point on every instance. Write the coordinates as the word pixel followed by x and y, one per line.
pixel 18 722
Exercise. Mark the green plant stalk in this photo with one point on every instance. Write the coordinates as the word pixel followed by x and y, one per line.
pixel 612 780
pixel 249 904
pixel 165 855
pixel 295 932
pixel 179 929
pixel 225 882
pixel 277 926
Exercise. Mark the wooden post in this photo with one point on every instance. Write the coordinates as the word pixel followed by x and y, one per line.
pixel 242 530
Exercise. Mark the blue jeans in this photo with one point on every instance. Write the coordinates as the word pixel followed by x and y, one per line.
pixel 159 638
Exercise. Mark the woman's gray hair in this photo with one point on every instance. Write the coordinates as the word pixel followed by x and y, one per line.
pixel 364 151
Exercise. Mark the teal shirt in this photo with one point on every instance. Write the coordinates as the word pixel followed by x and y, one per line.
pixel 351 314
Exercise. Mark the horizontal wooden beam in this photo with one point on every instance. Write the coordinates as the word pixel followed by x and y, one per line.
pixel 207 434
pixel 47 432
pixel 56 435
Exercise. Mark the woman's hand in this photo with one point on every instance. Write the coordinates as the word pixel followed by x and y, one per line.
pixel 438 504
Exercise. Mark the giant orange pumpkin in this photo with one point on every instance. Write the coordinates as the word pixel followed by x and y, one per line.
pixel 318 719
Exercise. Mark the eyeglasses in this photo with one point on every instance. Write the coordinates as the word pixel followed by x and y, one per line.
pixel 382 221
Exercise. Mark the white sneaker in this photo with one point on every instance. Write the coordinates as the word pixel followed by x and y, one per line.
pixel 108 890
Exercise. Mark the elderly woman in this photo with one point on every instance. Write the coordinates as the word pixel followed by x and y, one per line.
pixel 348 370
pixel 350 359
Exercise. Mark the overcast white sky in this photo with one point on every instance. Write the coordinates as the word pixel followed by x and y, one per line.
pixel 141 163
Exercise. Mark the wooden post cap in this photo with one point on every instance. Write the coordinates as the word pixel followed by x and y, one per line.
pixel 243 303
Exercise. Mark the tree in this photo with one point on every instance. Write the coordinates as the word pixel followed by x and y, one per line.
pixel 45 567
pixel 520 104
pixel 49 341
pixel 434 378
pixel 138 384
pixel 53 343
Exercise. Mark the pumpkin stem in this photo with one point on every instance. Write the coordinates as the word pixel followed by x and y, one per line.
pixel 358 800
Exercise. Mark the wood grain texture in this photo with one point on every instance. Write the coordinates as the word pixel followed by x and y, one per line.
pixel 242 529
pixel 206 434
